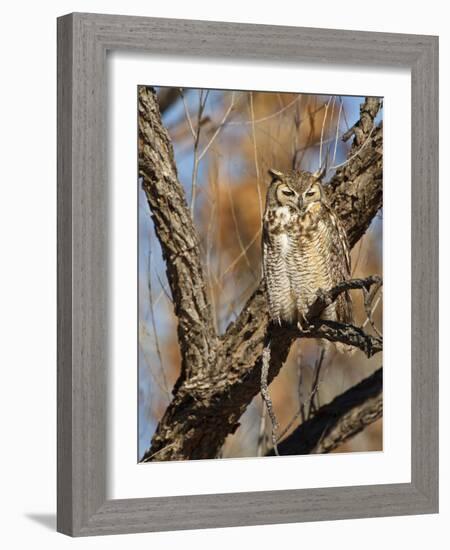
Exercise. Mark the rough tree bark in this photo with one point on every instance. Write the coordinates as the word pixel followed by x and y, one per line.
pixel 334 423
pixel 220 375
pixel 179 241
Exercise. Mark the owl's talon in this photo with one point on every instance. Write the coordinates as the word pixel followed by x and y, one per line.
pixel 304 325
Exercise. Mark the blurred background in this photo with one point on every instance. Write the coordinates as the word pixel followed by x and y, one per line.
pixel 224 143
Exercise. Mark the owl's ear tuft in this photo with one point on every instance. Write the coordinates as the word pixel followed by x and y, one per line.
pixel 275 174
pixel 321 172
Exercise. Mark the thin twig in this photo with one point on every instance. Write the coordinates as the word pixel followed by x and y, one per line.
pixel 238 233
pixel 368 299
pixel 148 458
pixel 255 154
pixel 155 331
pixel 337 131
pixel 219 128
pixel 164 289
pixel 301 409
pixel 150 370
pixel 310 138
pixel 266 395
pixel 188 116
pixel 243 253
pixel 344 113
pixel 336 166
pixel 323 129
pixel 356 263
pixel 201 108
pixel 310 403
pixel 265 118
pixel 300 380
pixel 260 449
pixel 208 263
pixel 316 382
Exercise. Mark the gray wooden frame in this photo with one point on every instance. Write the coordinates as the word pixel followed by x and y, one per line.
pixel 83 40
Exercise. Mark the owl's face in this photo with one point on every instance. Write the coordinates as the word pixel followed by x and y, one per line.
pixel 283 192
pixel 296 189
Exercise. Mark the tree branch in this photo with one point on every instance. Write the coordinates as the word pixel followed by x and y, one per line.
pixel 345 334
pixel 326 298
pixel 178 238
pixel 211 396
pixel 356 189
pixel 339 420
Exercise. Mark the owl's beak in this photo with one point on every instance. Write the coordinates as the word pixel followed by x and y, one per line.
pixel 300 203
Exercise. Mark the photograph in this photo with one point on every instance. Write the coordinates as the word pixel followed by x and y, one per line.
pixel 260 262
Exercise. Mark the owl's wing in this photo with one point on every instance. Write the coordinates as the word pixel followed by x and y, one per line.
pixel 341 267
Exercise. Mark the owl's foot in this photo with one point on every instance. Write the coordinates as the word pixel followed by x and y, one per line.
pixel 303 324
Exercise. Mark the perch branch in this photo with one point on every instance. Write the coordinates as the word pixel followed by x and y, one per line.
pixel 325 298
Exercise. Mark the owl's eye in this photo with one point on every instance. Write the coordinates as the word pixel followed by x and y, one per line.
pixel 287 192
pixel 310 193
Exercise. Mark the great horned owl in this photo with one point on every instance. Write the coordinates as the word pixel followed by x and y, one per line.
pixel 305 248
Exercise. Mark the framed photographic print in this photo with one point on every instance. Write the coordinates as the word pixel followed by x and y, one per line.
pixel 247 274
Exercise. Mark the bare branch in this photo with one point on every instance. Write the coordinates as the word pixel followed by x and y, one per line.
pixel 327 105
pixel 201 108
pixel 370 309
pixel 345 334
pixel 327 297
pixel 255 155
pixel 337 130
pixel 188 116
pixel 265 118
pixel 177 236
pixel 339 420
pixel 356 190
pixel 355 154
pixel 218 129
pixel 154 328
pixel 316 382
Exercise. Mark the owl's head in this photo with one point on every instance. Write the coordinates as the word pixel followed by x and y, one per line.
pixel 282 191
pixel 296 189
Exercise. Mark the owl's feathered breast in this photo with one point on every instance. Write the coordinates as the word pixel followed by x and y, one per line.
pixel 301 255
pixel 280 239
